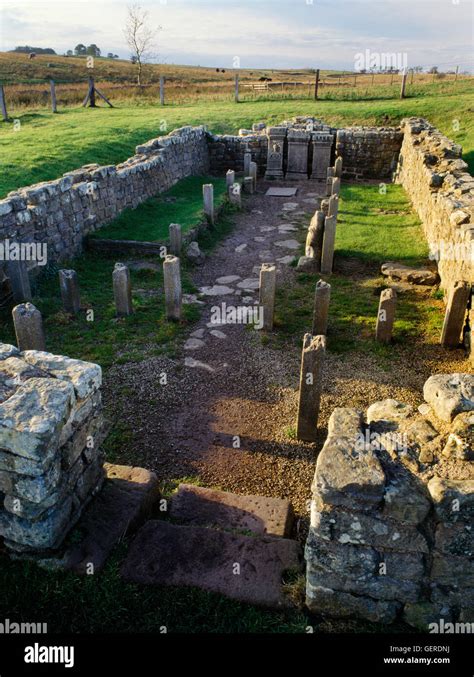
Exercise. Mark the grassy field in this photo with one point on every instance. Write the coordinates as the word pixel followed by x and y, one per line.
pixel 150 221
pixel 47 145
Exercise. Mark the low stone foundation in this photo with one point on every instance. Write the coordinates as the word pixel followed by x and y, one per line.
pixel 51 429
pixel 392 509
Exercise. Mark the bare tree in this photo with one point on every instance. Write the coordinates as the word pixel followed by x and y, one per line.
pixel 140 37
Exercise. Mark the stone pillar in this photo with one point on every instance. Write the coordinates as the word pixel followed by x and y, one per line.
pixel 322 296
pixel 298 149
pixel 208 198
pixel 122 290
pixel 333 208
pixel 229 179
pixel 176 239
pixel 336 186
pixel 248 185
pixel 69 287
pixel 247 161
pixel 172 282
pixel 253 174
pixel 386 315
pixel 314 238
pixel 17 273
pixel 338 167
pixel 311 376
pixel 28 327
pixel 329 178
pixel 322 145
pixel 276 146
pixel 267 294
pixel 456 310
pixel 235 195
pixel 329 241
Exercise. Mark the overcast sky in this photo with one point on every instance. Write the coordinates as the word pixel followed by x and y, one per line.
pixel 262 33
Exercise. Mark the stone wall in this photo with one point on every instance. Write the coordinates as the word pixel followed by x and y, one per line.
pixel 369 152
pixel 431 170
pixel 51 429
pixel 227 152
pixel 62 212
pixel 392 510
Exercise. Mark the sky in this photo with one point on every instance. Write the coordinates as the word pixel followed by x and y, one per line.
pixel 257 33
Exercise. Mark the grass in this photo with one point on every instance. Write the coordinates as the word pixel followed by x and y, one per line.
pixel 150 221
pixel 47 145
pixel 372 228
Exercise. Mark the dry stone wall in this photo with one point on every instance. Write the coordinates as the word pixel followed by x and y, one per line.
pixel 51 429
pixel 432 171
pixel 61 213
pixel 392 509
pixel 369 152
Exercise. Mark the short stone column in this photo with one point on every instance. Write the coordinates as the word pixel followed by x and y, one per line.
pixel 17 272
pixel 235 195
pixel 311 377
pixel 208 199
pixel 69 287
pixel 247 161
pixel 248 185
pixel 267 294
pixel 329 178
pixel 338 167
pixel 122 290
pixel 333 208
pixel 253 174
pixel 229 179
pixel 276 146
pixel 386 315
pixel 314 238
pixel 329 241
pixel 322 145
pixel 298 149
pixel 322 296
pixel 172 282
pixel 336 186
pixel 176 239
pixel 28 327
pixel 455 315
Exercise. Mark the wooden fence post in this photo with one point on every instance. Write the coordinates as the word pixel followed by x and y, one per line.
pixel 162 90
pixel 54 106
pixel 236 88
pixel 3 104
pixel 316 85
pixel 404 82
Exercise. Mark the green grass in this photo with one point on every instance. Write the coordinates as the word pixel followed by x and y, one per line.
pixel 48 145
pixel 365 238
pixel 150 221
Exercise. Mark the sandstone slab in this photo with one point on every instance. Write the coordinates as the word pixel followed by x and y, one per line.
pixel 209 507
pixel 421 276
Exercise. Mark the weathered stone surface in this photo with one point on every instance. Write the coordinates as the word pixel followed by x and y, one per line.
pixel 43 533
pixel 460 443
pixel 194 254
pixel 166 554
pixel 421 614
pixel 388 413
pixel 209 507
pixel 6 350
pixel 360 529
pixel 453 499
pixel 452 571
pixel 405 498
pixel 126 500
pixel 324 600
pixel 349 473
pixel 345 422
pixel 31 420
pixel 450 394
pixel 421 276
pixel 455 539
pixel 86 377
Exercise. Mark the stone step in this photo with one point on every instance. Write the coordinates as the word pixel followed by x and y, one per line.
pixel 209 507
pixel 120 508
pixel 245 568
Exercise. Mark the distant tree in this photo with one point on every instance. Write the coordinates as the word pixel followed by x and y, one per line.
pixel 26 49
pixel 92 50
pixel 140 38
pixel 80 49
pixel 111 55
pixel 433 70
pixel 69 52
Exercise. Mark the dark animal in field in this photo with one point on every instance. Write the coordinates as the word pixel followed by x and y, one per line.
pixel 32 55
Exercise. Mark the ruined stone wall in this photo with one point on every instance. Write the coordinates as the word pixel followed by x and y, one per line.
pixel 392 510
pixel 61 212
pixel 227 152
pixel 435 177
pixel 369 152
pixel 51 429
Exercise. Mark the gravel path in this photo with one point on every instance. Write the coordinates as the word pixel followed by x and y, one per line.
pixel 229 403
